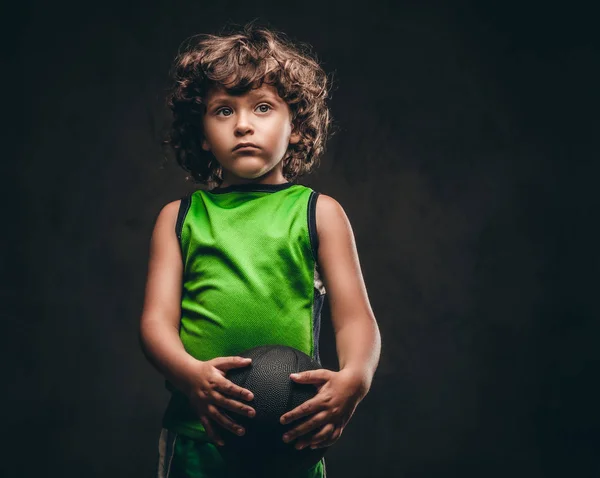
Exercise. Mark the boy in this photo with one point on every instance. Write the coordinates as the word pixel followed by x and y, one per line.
pixel 249 261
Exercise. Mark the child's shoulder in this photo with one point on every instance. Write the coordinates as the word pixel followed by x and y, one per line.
pixel 328 207
pixel 167 216
pixel 330 217
pixel 171 208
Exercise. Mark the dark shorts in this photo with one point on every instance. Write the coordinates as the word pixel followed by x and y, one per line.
pixel 183 457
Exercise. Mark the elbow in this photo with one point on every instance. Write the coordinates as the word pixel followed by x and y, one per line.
pixel 145 333
pixel 140 338
pixel 142 341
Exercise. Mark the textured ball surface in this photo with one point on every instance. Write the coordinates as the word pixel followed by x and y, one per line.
pixel 262 448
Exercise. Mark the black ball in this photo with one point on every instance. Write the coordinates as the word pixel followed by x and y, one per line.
pixel 261 450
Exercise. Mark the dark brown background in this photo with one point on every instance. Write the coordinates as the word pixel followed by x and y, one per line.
pixel 466 159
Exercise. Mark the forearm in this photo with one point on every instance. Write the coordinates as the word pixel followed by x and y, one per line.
pixel 358 345
pixel 163 348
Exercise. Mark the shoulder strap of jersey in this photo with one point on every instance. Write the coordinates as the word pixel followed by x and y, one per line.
pixel 184 206
pixel 312 223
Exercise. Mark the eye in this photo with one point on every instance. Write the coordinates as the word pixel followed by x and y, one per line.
pixel 222 109
pixel 263 106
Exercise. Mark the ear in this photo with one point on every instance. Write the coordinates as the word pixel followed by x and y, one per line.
pixel 294 138
pixel 205 145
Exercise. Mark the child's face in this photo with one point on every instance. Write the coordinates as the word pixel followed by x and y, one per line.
pixel 260 117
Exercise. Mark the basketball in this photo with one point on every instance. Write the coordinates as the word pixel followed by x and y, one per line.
pixel 262 448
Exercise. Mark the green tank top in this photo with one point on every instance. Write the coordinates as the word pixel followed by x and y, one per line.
pixel 250 277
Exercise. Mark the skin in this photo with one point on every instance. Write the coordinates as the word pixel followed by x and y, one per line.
pixel 227 122
pixel 259 116
pixel 357 335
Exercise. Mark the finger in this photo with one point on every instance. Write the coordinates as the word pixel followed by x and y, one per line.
pixel 312 376
pixel 334 437
pixel 210 431
pixel 229 388
pixel 309 407
pixel 233 405
pixel 322 435
pixel 310 424
pixel 225 421
pixel 227 363
pixel 305 441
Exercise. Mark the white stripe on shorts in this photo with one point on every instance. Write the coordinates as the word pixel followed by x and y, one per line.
pixel 166 449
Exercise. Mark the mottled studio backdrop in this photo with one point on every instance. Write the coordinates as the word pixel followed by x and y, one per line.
pixel 466 158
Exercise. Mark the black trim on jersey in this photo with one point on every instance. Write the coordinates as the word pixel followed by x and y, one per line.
pixel 184 207
pixel 312 223
pixel 247 187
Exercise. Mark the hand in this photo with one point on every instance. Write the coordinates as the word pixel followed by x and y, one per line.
pixel 208 389
pixel 339 393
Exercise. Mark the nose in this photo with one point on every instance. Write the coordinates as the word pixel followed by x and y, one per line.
pixel 243 125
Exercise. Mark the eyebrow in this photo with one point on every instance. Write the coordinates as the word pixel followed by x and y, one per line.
pixel 221 97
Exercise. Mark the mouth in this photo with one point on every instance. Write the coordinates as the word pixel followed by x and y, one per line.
pixel 245 146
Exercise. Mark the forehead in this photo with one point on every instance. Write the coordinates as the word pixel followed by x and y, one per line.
pixel 219 93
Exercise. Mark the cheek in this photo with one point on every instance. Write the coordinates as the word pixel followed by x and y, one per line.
pixel 208 129
pixel 283 133
pixel 213 134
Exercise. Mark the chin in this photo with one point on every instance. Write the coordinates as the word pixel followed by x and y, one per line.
pixel 251 173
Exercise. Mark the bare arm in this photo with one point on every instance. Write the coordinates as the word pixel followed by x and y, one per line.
pixel 159 323
pixel 357 335
pixel 204 383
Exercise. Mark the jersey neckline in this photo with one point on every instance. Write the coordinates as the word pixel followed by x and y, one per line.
pixel 251 187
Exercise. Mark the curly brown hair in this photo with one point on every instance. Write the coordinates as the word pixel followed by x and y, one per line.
pixel 239 61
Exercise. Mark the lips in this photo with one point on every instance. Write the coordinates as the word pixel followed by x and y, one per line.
pixel 243 145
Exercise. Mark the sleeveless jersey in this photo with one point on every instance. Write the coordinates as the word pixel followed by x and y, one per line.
pixel 250 277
